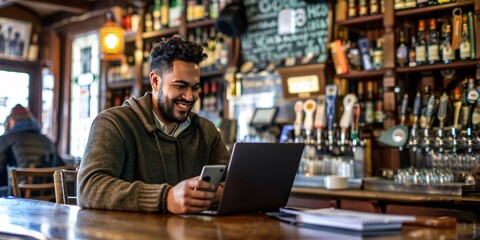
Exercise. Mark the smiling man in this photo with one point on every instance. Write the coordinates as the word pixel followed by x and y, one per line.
pixel 146 155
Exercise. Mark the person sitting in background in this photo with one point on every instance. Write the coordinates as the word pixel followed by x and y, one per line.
pixel 146 155
pixel 23 145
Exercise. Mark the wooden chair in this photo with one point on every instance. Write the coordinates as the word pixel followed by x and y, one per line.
pixel 65 186
pixel 34 183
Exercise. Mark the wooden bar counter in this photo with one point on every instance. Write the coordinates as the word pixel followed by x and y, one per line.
pixel 32 219
pixel 462 207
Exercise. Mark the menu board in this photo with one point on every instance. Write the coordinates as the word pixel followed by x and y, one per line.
pixel 280 29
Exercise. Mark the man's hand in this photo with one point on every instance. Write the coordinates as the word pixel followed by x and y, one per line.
pixel 190 196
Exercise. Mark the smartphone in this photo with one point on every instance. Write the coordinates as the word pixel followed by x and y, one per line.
pixel 213 174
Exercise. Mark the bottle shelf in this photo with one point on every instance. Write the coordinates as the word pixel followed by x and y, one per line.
pixel 361 20
pixel 212 73
pixel 436 8
pixel 201 23
pixel 120 84
pixel 162 33
pixel 439 66
pixel 363 74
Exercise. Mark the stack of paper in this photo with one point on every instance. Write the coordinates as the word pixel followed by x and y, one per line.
pixel 351 220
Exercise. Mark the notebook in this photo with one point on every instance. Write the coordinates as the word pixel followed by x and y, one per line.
pixel 348 219
pixel 259 177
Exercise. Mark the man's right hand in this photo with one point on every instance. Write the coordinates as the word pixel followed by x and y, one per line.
pixel 187 196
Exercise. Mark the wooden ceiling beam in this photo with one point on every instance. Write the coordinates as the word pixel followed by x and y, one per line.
pixel 79 7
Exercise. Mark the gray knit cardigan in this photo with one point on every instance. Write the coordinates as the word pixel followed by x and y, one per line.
pixel 129 164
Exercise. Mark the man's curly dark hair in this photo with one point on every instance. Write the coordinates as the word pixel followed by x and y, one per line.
pixel 168 50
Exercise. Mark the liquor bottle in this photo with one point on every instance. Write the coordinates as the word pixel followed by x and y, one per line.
pixel 420 47
pixel 212 43
pixel 352 9
pixel 471 34
pixel 465 50
pixel 374 7
pixel 432 2
pixel 175 13
pixel 364 46
pixel 149 20
pixel 363 8
pixel 206 97
pixel 164 19
pixel 412 52
pixel 465 105
pixel 128 19
pixel 190 10
pixel 135 20
pixel 199 12
pixel 214 9
pixel 354 58
pixel 361 103
pixel 448 54
pixel 157 24
pixel 378 54
pixel 399 5
pixel 402 51
pixel 33 48
pixel 205 9
pixel 379 114
pixel 422 3
pixel 369 105
pixel 410 4
pixel 445 1
pixel 213 97
pixel 433 43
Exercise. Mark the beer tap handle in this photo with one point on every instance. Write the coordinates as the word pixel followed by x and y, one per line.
pixel 331 92
pixel 346 118
pixel 309 107
pixel 403 109
pixel 417 110
pixel 355 119
pixel 473 95
pixel 298 108
pixel 429 111
pixel 320 120
pixel 442 111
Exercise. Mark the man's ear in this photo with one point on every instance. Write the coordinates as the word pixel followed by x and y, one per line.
pixel 154 80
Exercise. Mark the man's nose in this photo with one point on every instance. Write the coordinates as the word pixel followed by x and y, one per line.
pixel 188 94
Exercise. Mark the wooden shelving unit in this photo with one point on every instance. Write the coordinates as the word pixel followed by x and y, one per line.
pixel 361 20
pixel 436 8
pixel 363 74
pixel 439 66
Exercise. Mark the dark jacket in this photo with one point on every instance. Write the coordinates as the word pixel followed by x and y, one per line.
pixel 24 146
pixel 129 164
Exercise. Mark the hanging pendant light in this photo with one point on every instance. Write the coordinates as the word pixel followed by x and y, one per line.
pixel 112 39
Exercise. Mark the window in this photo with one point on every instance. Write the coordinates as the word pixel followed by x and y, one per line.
pixel 12 93
pixel 85 90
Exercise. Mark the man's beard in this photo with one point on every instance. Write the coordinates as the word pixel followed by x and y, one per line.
pixel 166 108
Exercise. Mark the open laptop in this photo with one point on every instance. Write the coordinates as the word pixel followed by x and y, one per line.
pixel 259 177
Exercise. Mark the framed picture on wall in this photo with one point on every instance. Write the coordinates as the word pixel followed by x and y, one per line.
pixel 14 38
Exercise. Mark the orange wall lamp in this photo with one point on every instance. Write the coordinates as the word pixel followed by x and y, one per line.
pixel 112 39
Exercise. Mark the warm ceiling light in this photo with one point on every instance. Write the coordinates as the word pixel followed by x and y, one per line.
pixel 112 39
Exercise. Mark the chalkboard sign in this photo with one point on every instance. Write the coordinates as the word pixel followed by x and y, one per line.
pixel 280 29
